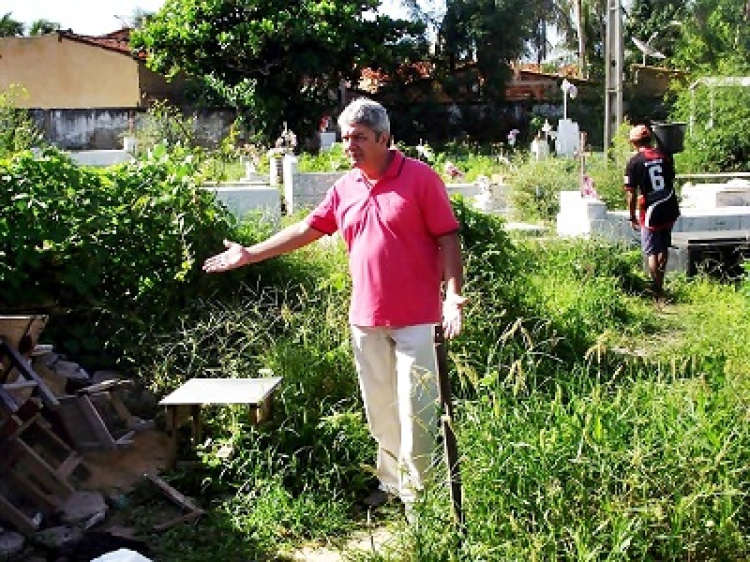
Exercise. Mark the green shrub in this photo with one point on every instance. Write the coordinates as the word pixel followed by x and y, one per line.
pixel 333 160
pixel 608 171
pixel 17 130
pixel 121 246
pixel 718 120
pixel 536 186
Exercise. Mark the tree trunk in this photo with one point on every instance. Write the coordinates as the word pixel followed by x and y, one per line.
pixel 582 73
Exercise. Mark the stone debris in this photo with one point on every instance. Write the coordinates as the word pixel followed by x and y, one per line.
pixel 52 487
pixel 11 544
pixel 62 367
pixel 82 506
pixel 58 537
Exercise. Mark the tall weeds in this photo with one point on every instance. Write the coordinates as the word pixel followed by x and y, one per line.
pixel 592 425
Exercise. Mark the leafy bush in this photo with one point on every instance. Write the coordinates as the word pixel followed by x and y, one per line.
pixel 17 129
pixel 607 171
pixel 123 244
pixel 332 160
pixel 718 119
pixel 536 186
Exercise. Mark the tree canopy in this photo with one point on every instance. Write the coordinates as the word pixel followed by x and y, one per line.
pixel 492 33
pixel 278 61
pixel 43 27
pixel 10 27
pixel 714 34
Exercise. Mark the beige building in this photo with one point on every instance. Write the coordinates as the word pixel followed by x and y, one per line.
pixel 64 70
pixel 88 92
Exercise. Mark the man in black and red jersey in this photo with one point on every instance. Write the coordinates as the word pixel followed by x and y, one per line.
pixel 649 185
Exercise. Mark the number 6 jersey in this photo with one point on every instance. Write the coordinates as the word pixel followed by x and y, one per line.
pixel 651 174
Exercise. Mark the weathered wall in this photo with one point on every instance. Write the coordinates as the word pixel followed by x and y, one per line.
pixel 61 73
pixel 103 129
pixel 154 86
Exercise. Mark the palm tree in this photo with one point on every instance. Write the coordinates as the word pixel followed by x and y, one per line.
pixel 550 15
pixel 584 32
pixel 581 32
pixel 10 27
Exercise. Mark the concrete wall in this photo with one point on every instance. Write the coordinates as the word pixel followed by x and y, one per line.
pixel 103 129
pixel 243 199
pixel 586 217
pixel 61 73
pixel 306 190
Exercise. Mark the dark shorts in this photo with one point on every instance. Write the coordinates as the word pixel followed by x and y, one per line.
pixel 655 241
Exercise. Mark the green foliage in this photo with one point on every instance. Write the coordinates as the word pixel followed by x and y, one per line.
pixel 121 247
pixel 624 472
pixel 17 130
pixel 489 33
pixel 274 60
pixel 332 160
pixel 536 185
pixel 657 23
pixel 10 27
pixel 718 118
pixel 715 34
pixel 471 161
pixel 43 27
pixel 607 171
pixel 578 437
pixel 591 424
pixel 575 288
pixel 165 124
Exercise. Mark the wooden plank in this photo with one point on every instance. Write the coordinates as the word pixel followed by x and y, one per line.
pixel 96 423
pixel 7 401
pixel 28 372
pixel 9 512
pixel 183 502
pixel 84 424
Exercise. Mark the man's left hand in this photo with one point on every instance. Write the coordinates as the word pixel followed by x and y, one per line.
pixel 453 315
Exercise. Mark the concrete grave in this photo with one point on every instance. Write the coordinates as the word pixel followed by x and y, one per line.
pixel 705 207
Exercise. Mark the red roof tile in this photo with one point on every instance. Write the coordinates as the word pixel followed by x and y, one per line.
pixel 118 41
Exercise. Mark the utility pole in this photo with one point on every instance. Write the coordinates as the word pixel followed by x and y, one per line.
pixel 613 55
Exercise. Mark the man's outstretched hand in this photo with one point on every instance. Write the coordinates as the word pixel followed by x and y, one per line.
pixel 233 257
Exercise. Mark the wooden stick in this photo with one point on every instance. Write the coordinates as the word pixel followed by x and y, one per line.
pixel 450 444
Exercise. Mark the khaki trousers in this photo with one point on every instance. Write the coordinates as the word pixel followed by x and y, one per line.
pixel 397 371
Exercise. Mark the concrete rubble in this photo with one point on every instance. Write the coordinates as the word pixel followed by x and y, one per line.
pixel 70 451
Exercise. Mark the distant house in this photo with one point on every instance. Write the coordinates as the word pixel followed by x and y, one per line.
pixel 528 83
pixel 454 106
pixel 86 91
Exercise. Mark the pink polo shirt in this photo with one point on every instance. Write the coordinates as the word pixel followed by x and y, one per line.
pixel 391 232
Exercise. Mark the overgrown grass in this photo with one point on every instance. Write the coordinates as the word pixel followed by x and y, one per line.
pixel 592 425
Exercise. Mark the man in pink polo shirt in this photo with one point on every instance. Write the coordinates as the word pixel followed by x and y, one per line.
pixel 405 260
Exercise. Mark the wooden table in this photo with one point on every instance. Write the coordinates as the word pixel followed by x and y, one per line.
pixel 185 403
